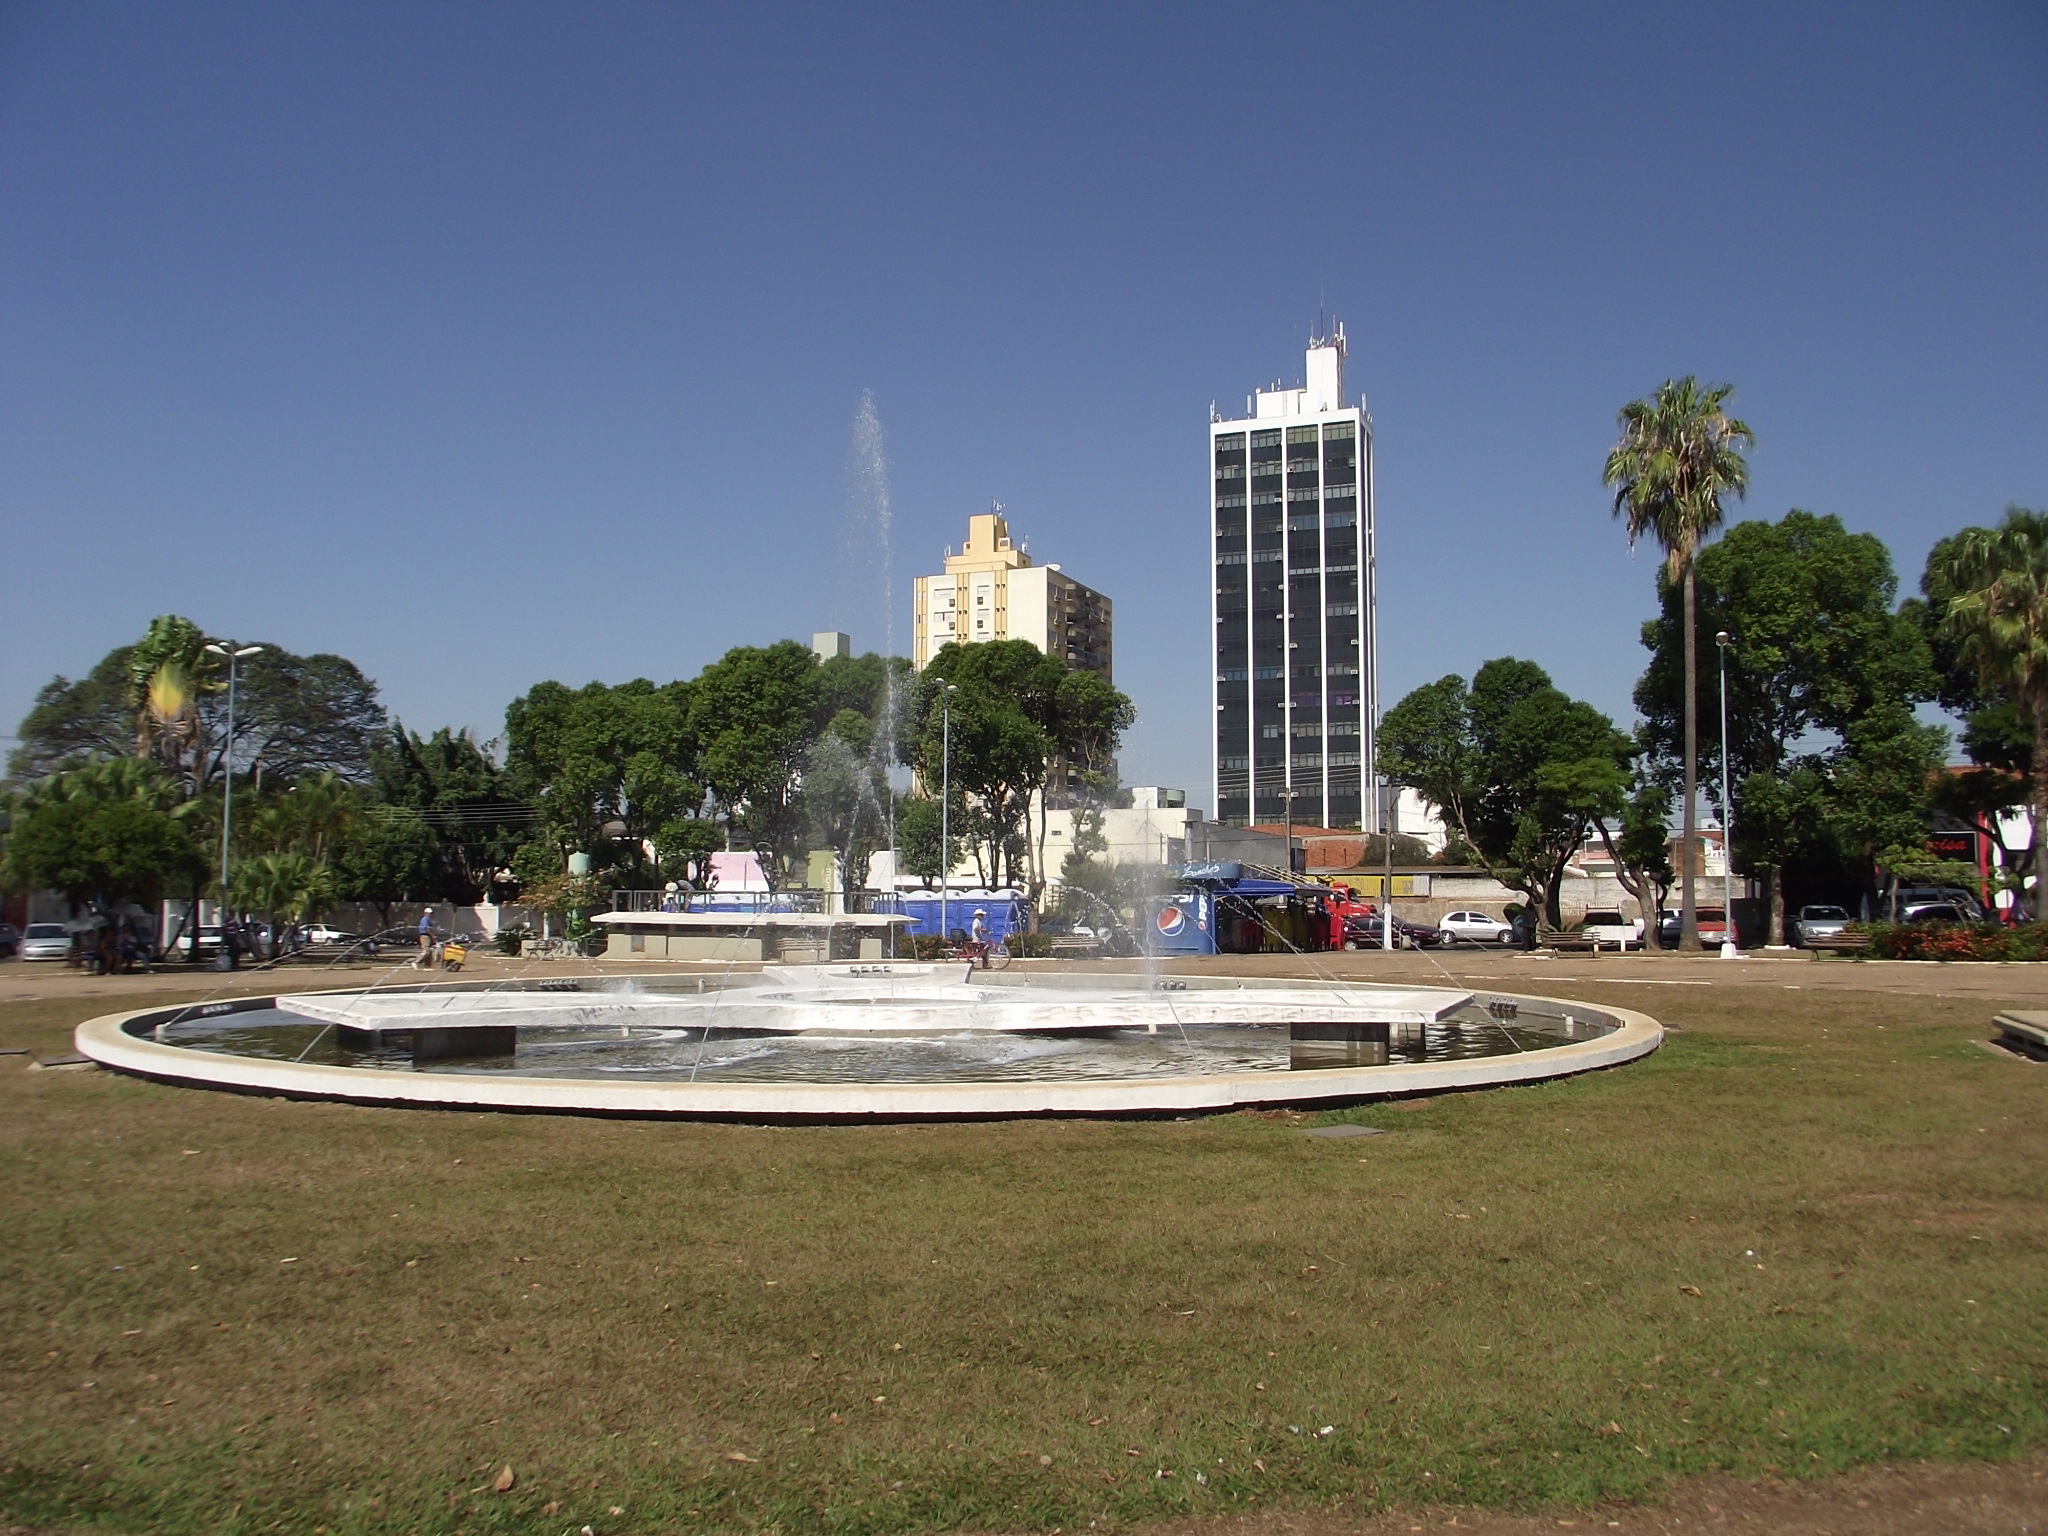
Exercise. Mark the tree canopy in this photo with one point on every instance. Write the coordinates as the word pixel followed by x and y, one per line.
pixel 1516 768
pixel 1816 645
pixel 165 697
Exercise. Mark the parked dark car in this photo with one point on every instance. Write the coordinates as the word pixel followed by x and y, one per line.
pixel 1912 897
pixel 1365 933
pixel 10 939
pixel 1934 912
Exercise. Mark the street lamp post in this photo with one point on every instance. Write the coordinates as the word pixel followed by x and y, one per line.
pixel 1728 949
pixel 227 771
pixel 946 691
pixel 1387 817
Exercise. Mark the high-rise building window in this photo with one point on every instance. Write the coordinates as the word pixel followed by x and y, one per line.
pixel 1291 505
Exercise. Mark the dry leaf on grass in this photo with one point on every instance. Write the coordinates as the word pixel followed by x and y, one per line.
pixel 506 1477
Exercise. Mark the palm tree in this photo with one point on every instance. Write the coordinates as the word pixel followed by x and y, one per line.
pixel 1678 455
pixel 1999 616
pixel 168 671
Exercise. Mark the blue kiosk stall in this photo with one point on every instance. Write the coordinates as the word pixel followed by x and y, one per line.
pixel 1239 909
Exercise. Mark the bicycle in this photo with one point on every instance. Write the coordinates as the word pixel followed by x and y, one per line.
pixel 992 955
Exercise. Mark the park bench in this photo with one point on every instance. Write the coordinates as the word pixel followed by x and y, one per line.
pixel 1581 944
pixel 1838 943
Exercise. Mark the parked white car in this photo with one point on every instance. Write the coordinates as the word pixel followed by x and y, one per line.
pixel 45 941
pixel 1818 922
pixel 1474 927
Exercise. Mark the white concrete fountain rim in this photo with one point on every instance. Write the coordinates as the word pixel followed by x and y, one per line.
pixel 107 1040
pixel 885 999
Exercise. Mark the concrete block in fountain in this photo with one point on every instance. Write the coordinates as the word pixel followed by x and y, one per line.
pixel 1314 1046
pixel 2025 1031
pixel 441 1042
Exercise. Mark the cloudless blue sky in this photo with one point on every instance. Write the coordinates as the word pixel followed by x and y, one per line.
pixel 485 344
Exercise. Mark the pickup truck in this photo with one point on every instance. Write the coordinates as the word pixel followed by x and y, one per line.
pixel 1612 929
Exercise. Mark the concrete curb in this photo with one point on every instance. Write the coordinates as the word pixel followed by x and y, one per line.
pixel 120 1041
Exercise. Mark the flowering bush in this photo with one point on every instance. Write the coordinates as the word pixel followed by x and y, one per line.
pixel 1957 941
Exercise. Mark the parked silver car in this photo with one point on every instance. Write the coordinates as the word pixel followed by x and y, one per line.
pixel 45 941
pixel 1818 922
pixel 1474 927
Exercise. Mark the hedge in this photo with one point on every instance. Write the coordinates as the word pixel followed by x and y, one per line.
pixel 1957 941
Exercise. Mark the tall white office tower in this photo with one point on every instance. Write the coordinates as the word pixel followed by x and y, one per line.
pixel 1295 637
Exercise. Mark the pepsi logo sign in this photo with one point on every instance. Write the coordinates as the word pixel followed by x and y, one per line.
pixel 1171 921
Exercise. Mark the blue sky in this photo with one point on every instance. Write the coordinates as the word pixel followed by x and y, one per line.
pixel 489 344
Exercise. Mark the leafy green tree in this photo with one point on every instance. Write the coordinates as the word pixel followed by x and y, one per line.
pixel 315 816
pixel 1817 644
pixel 449 782
pixel 391 855
pixel 73 722
pixel 286 887
pixel 1003 701
pixel 299 715
pixel 609 766
pixel 1990 589
pixel 1520 770
pixel 1678 456
pixel 1641 848
pixel 753 714
pixel 99 851
pixel 1026 731
pixel 1879 787
pixel 917 837
pixel 294 715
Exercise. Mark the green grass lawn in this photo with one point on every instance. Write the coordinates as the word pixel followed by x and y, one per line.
pixel 1809 1232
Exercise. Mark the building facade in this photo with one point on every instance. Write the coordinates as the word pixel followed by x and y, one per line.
pixel 1294 635
pixel 992 591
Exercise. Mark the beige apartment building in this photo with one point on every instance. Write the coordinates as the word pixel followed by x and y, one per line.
pixel 990 590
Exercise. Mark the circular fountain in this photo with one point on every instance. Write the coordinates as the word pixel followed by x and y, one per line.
pixel 870 1040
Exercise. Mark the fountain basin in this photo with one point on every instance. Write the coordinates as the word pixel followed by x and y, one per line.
pixel 815 1066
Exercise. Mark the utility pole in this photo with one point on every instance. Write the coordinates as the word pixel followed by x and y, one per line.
pixel 1387 851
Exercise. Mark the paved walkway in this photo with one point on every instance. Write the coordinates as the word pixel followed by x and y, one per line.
pixel 1464 966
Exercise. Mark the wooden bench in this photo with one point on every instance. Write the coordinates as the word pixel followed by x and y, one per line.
pixel 1838 943
pixel 1582 944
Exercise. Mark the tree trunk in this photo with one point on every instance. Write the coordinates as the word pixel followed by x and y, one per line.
pixel 1688 914
pixel 2037 803
pixel 1776 936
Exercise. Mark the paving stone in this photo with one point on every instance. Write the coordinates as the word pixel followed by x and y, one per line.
pixel 1339 1132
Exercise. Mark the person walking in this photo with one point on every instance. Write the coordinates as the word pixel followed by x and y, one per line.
pixel 426 959
pixel 978 936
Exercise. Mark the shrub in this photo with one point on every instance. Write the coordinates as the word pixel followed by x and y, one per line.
pixel 1958 941
pixel 1029 946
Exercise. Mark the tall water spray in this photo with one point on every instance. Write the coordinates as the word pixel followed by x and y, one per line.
pixel 871 525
